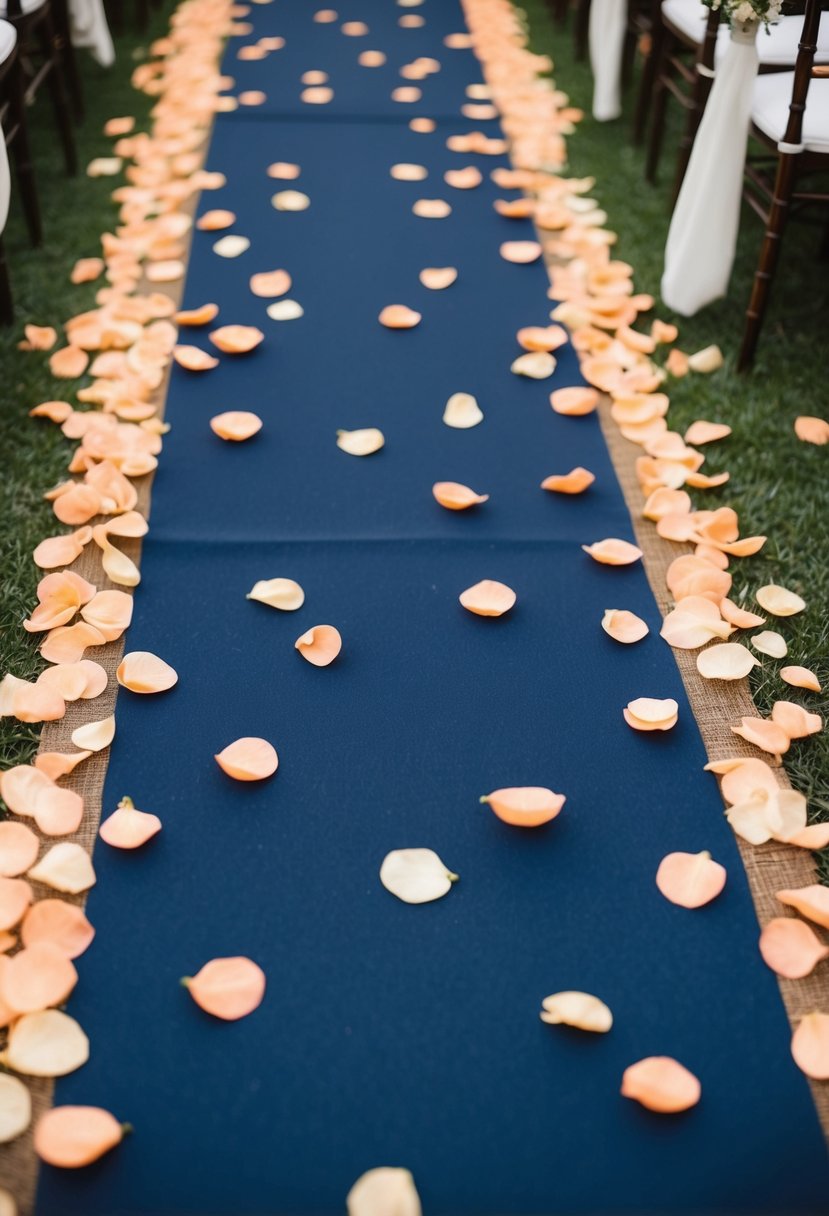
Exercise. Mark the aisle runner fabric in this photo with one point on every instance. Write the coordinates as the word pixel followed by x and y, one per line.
pixel 393 1034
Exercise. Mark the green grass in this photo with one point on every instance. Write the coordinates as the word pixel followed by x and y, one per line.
pixel 779 486
pixel 35 455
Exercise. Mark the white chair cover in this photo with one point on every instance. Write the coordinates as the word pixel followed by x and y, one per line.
pixel 5 184
pixel 703 234
pixel 608 20
pixel 89 29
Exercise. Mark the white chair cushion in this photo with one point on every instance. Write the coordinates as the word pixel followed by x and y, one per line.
pixel 8 40
pixel 28 6
pixel 778 48
pixel 770 110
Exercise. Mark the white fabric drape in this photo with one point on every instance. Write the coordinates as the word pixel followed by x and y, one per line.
pixel 608 20
pixel 89 29
pixel 5 183
pixel 703 234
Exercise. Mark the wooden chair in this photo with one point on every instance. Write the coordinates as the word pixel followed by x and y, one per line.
pixel 8 53
pixel 16 137
pixel 790 117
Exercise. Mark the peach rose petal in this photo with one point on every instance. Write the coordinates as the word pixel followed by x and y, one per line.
pixel 361 442
pixel 706 432
pixel 462 412
pixel 690 879
pixel 800 677
pixel 236 339
pixel 46 1043
pixel 456 497
pixel 431 208
pixel 67 643
pixel 399 316
pixel 778 601
pixel 651 713
pixel 574 402
pixel 65 867
pixel 290 200
pixel 521 252
pixel 87 270
pixel 285 310
pixel 812 430
pixel 796 721
pixel 193 359
pixel 283 171
pixel 810 1046
pixel 811 902
pixel 61 550
pixel 129 828
pixel 416 876
pixel 68 363
pixel 62 924
pixel 202 315
pixel 422 126
pixel 536 365
pixel 662 1084
pixel 144 672
pixel 574 482
pixel 109 612
pixel 38 977
pixel 320 645
pixel 214 221
pixel 463 179
pixel 694 621
pixel 371 59
pixel 728 661
pixel 227 988
pixel 405 172
pixel 790 948
pixel 536 338
pixel 70 1137
pixel 236 425
pixel 95 736
pixel 15 897
pixel 579 1009
pixel 19 848
pixel 317 95
pixel 281 593
pixel 231 246
pixel 739 617
pixel 383 1191
pixel 613 552
pixel 15 1108
pixel 624 626
pixel 768 736
pixel 525 806
pixel 438 278
pixel 55 411
pixel 118 567
pixel 248 759
pixel 488 598
pixel 815 836
pixel 270 283
pixel 771 643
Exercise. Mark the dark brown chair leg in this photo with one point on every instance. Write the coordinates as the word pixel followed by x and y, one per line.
pixel 57 89
pixel 22 155
pixel 660 100
pixel 6 305
pixel 142 14
pixel 60 14
pixel 560 10
pixel 769 254
pixel 644 98
pixel 581 27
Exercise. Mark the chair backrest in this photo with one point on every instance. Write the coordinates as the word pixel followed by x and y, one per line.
pixel 804 70
pixel 708 46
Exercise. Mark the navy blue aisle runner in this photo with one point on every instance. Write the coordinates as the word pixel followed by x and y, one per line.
pixel 390 1034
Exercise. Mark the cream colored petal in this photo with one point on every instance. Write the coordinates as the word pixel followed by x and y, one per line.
pixel 579 1009
pixel 770 643
pixel 361 442
pixel 624 626
pixel 231 246
pixel 15 1108
pixel 281 593
pixel 417 876
pixel 95 736
pixel 750 819
pixel 778 601
pixel 290 200
pixel 46 1044
pixel 285 310
pixel 65 867
pixel 536 365
pixel 787 814
pixel 386 1191
pixel 118 567
pixel 707 360
pixel 728 661
pixel 462 411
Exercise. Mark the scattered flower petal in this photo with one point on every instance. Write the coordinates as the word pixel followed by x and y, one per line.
pixel 320 645
pixel 661 1084
pixel 574 482
pixel 128 828
pixel 228 988
pixel 456 497
pixel 488 598
pixel 526 806
pixel 281 593
pixel 416 876
pixel 71 1137
pixel 462 411
pixel 248 759
pixel 810 1046
pixel 236 425
pixel 613 552
pixel 361 442
pixel 579 1009
pixel 624 626
pixel 728 661
pixel 95 736
pixel 690 879
pixel 778 601
pixel 790 948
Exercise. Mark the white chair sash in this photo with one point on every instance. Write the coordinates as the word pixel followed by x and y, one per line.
pixel 702 238
pixel 89 29
pixel 5 183
pixel 606 37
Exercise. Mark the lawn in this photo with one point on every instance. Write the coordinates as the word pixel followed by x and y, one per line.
pixel 779 486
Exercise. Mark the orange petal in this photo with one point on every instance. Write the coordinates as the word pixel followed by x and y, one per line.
pixel 456 497
pixel 110 612
pixel 86 270
pixel 778 601
pixel 62 924
pixel 810 1046
pixel 61 550
pixel 128 828
pixel 318 95
pixel 438 277
pixel 651 713
pixel 811 902
pixel 790 948
pixel 372 59
pixel 521 252
pixel 727 661
pixel 623 626
pixel 690 879
pixel 270 283
pixel 55 411
pixel 574 482
pixel 197 316
pixel 800 677
pixel 248 759
pixel 525 806
pixel 574 401
pixel 815 836
pixel 536 337
pixel 796 721
pixel 488 598
pixel 15 897
pixel 463 179
pixel 706 432
pixel 39 337
pixel 812 430
pixel 320 645
pixel 193 359
pixel 613 552
pixel 68 643
pixel 68 363
pixel 236 425
pixel 228 988
pixel 768 736
pixel 283 171
pixel 19 848
pixel 141 671
pixel 214 221
pixel 662 1084
pixel 70 1137
pixel 236 339
pixel 739 617
pixel 59 764
pixel 38 977
pixel 399 316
